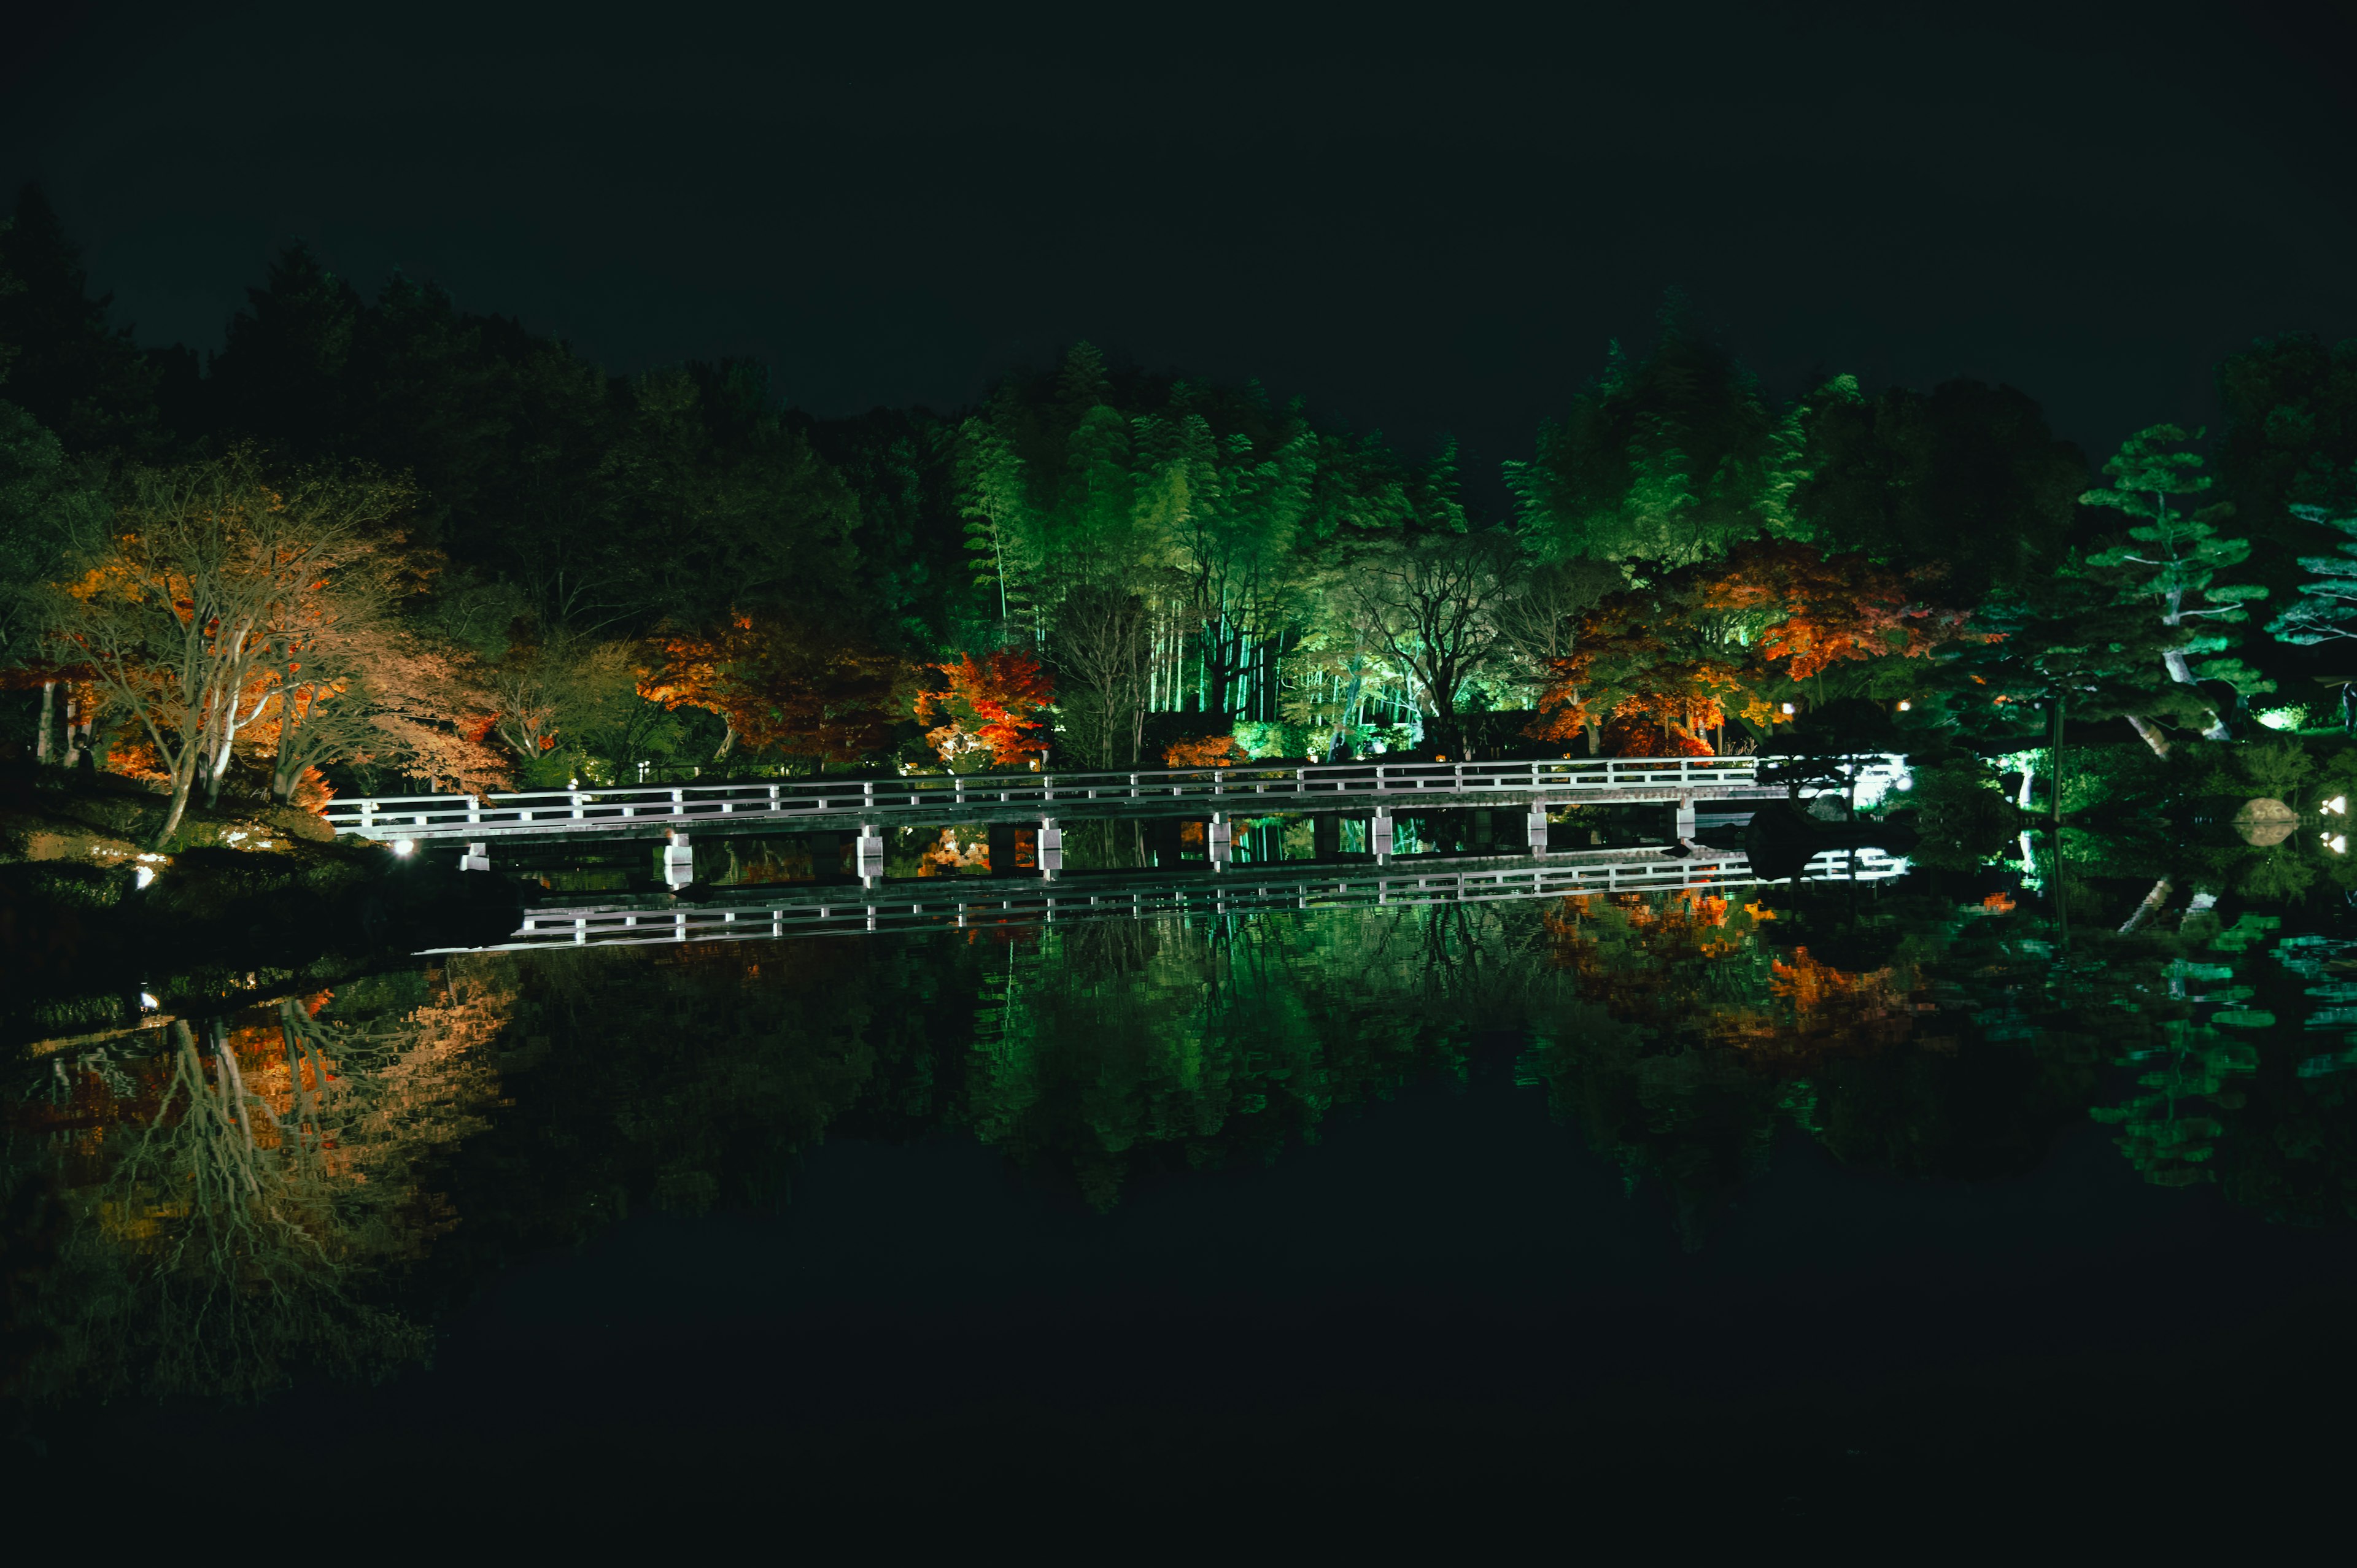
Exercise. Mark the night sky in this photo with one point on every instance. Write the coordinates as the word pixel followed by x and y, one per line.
pixel 1420 220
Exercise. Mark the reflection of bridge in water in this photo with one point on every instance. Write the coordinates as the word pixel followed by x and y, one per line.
pixel 968 902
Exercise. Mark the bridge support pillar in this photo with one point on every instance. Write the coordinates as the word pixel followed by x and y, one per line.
pixel 871 854
pixel 477 858
pixel 1379 834
pixel 1535 826
pixel 1682 825
pixel 1219 841
pixel 679 860
pixel 1050 849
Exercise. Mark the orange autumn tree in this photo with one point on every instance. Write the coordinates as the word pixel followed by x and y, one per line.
pixel 1664 663
pixel 1208 751
pixel 988 709
pixel 792 688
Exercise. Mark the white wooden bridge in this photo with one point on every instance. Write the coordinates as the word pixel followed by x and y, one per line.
pixel 963 903
pixel 1219 793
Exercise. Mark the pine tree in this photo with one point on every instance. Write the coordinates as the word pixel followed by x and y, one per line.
pixel 2328 602
pixel 2174 556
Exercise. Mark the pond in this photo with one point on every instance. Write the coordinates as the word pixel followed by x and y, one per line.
pixel 1835 1192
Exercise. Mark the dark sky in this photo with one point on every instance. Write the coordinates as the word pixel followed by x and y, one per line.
pixel 1421 221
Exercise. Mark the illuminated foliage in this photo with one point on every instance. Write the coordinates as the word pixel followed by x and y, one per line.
pixel 990 709
pixel 230 1201
pixel 2327 607
pixel 792 688
pixel 1684 653
pixel 1673 458
pixel 2173 557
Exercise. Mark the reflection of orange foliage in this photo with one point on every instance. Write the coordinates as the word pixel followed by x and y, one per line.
pixel 1688 964
pixel 1208 751
pixel 1191 833
pixel 1998 904
pixel 1828 1006
pixel 991 704
pixel 950 854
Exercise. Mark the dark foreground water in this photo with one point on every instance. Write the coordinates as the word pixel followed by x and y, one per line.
pixel 1920 1204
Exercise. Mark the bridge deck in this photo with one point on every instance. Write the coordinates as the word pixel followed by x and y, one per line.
pixel 800 805
pixel 962 902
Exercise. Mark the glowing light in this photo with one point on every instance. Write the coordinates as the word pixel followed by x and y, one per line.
pixel 1904 706
pixel 2337 805
pixel 2337 843
pixel 147 1000
pixel 2282 718
pixel 142 875
pixel 1788 707
pixel 403 846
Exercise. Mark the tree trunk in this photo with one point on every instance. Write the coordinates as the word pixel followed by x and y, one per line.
pixel 49 700
pixel 2180 671
pixel 1595 737
pixel 2154 902
pixel 2055 805
pixel 2150 733
pixel 184 779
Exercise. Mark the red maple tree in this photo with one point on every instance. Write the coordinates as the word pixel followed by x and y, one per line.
pixel 994 704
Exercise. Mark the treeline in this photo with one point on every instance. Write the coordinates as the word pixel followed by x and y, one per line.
pixel 387 539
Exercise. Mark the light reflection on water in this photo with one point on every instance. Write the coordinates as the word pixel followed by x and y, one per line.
pixel 300 1185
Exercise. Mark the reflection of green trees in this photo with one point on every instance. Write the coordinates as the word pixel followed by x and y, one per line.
pixel 230 1207
pixel 2166 1131
pixel 1101 1045
pixel 1911 1033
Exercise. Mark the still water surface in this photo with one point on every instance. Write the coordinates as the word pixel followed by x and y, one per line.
pixel 1826 1191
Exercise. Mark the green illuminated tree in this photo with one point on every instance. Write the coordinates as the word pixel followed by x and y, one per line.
pixel 2327 607
pixel 2173 556
pixel 1672 458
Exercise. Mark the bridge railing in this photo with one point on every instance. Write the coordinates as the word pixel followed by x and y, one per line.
pixel 810 911
pixel 1235 788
